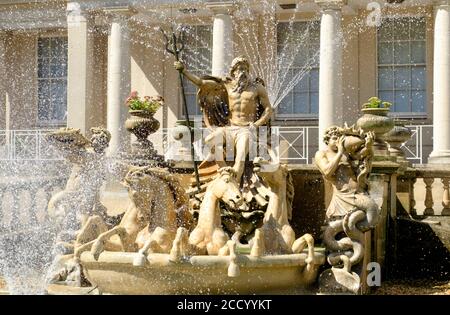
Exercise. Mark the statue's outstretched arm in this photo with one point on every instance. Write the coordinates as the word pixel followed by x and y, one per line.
pixel 192 77
pixel 265 103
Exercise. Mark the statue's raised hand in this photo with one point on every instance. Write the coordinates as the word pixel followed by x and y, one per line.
pixel 340 144
pixel 178 65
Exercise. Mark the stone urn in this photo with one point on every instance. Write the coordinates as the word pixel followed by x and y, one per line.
pixel 395 138
pixel 377 120
pixel 142 124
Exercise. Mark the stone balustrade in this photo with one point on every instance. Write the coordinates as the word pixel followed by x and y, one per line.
pixel 427 188
pixel 23 200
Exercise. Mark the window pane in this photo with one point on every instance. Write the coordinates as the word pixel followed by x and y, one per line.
pixel 385 78
pixel 301 103
pixel 386 96
pixel 314 99
pixel 302 85
pixel 418 78
pixel 57 69
pixel 418 29
pixel 314 83
pixel 401 53
pixel 385 53
pixel 301 57
pixel 285 106
pixel 401 102
pixel 44 47
pixel 43 99
pixel 305 41
pixel 418 52
pixel 401 29
pixel 43 68
pixel 58 47
pixel 385 31
pixel 402 77
pixel 191 104
pixel 58 99
pixel 418 101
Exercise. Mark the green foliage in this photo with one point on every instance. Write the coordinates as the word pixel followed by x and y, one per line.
pixel 150 104
pixel 375 102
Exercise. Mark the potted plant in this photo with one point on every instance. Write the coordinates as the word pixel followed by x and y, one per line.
pixel 375 118
pixel 142 123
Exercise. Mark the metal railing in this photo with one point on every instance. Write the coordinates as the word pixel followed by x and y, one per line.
pixel 414 148
pixel 297 144
pixel 26 145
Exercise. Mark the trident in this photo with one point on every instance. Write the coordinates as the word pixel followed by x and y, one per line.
pixel 177 47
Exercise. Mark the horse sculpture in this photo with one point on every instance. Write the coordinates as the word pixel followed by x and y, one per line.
pixel 158 207
pixel 209 236
pixel 80 197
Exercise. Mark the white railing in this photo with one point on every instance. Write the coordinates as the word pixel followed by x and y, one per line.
pixel 26 145
pixel 297 144
pixel 414 148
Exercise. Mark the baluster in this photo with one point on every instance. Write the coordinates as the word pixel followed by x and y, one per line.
pixel 445 197
pixel 15 208
pixel 32 217
pixel 412 200
pixel 428 196
pixel 2 211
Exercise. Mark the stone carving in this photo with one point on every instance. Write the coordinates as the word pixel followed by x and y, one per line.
pixel 209 235
pixel 346 164
pixel 233 107
pixel 222 100
pixel 158 207
pixel 80 198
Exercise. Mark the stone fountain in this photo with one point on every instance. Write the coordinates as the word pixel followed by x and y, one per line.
pixel 229 234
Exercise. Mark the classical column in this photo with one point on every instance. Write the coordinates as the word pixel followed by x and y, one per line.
pixel 223 51
pixel 3 78
pixel 330 73
pixel 119 76
pixel 441 84
pixel 80 76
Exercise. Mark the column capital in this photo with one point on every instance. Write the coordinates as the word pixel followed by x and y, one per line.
pixel 121 13
pixel 221 7
pixel 331 4
pixel 438 3
pixel 75 13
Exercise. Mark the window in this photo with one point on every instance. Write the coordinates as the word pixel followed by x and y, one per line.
pixel 299 45
pixel 52 80
pixel 197 55
pixel 402 64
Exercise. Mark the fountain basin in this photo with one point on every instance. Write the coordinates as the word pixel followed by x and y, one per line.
pixel 115 273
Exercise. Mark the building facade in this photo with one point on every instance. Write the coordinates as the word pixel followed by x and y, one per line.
pixel 73 63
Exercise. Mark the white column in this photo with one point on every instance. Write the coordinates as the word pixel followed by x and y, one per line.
pixel 119 78
pixel 330 73
pixel 441 84
pixel 80 69
pixel 3 78
pixel 223 44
